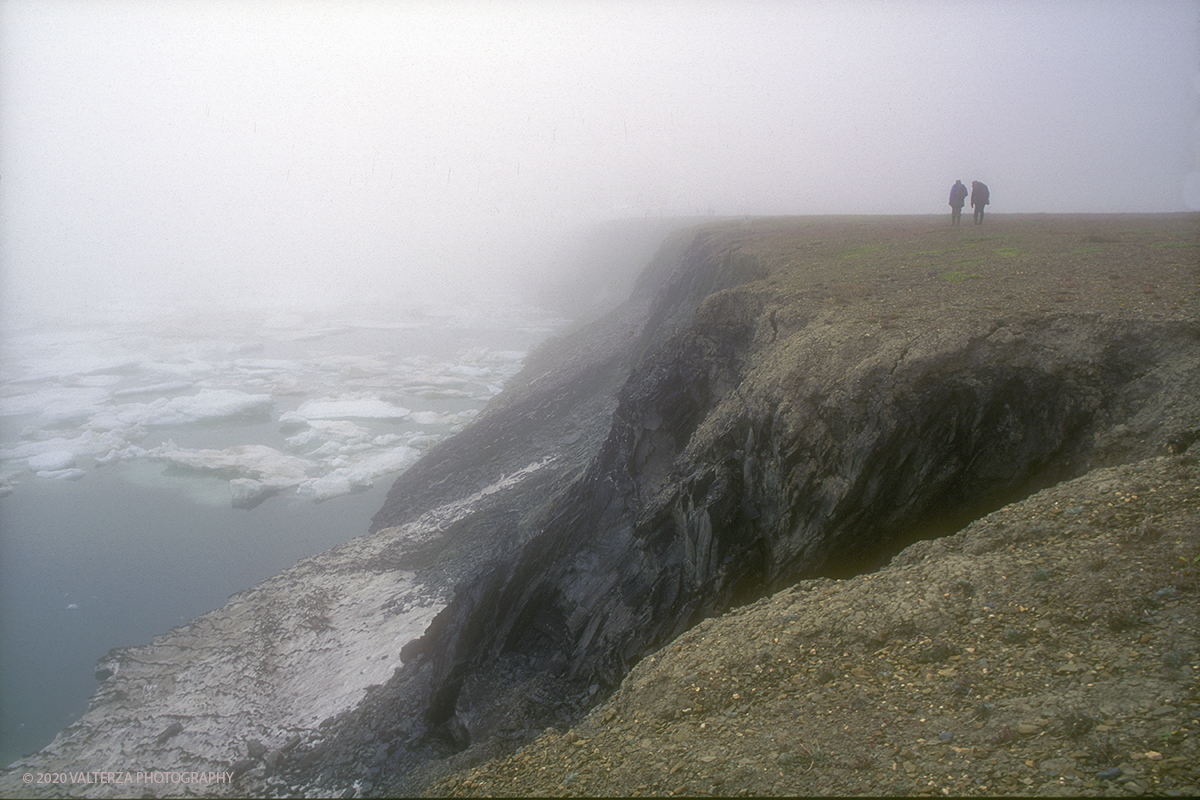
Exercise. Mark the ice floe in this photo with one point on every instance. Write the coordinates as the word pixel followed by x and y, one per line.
pixel 351 407
pixel 51 460
pixel 320 432
pixel 100 445
pixel 72 474
pixel 55 404
pixel 168 387
pixel 207 406
pixel 316 404
pixel 243 461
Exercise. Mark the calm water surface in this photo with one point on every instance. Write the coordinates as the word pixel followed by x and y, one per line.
pixel 122 555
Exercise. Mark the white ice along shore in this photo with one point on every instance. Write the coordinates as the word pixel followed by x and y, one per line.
pixel 271 665
pixel 319 406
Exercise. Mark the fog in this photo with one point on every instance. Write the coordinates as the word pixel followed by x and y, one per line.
pixel 284 154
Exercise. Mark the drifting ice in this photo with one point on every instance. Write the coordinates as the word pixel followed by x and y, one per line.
pixel 352 408
pixel 210 405
pixel 256 461
pixel 73 400
pixel 51 461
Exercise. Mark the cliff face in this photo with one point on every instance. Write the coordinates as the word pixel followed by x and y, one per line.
pixel 804 398
pixel 1048 649
pixel 781 434
pixel 245 689
pixel 780 399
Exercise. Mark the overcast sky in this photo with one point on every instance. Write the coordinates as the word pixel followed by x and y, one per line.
pixel 300 150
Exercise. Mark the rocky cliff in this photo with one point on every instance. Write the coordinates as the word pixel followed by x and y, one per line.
pixel 1049 648
pixel 805 398
pixel 778 400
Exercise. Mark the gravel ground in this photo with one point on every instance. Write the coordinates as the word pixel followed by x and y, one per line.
pixel 1050 648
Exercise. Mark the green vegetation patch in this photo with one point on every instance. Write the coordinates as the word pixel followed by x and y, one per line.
pixel 1008 252
pixel 956 276
pixel 945 250
pixel 853 252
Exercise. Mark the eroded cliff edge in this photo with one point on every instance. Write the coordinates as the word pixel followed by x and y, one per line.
pixel 806 397
pixel 779 399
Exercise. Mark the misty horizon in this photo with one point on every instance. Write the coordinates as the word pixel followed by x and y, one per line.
pixel 299 153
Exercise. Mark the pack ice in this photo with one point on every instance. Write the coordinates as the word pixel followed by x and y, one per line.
pixel 318 407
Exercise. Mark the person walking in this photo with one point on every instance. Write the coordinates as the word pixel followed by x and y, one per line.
pixel 958 197
pixel 979 199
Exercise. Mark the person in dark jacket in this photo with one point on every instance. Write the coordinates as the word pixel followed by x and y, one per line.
pixel 958 197
pixel 979 199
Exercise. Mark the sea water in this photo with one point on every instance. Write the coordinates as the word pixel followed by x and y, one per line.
pixel 123 448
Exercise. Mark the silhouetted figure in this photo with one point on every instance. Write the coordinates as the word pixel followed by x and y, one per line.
pixel 958 197
pixel 979 199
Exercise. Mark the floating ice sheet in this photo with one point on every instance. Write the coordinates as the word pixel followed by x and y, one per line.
pixel 350 404
pixel 352 407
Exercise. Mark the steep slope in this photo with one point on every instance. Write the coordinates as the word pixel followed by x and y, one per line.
pixel 858 384
pixel 1049 648
pixel 779 400
pixel 776 436
pixel 248 685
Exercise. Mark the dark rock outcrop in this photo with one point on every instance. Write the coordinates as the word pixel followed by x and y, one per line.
pixel 780 399
pixel 559 408
pixel 711 489
pixel 746 429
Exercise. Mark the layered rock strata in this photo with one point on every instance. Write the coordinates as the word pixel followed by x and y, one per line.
pixel 780 399
pixel 792 426
pixel 245 689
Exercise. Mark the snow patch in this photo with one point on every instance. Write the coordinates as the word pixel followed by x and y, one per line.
pixel 430 525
